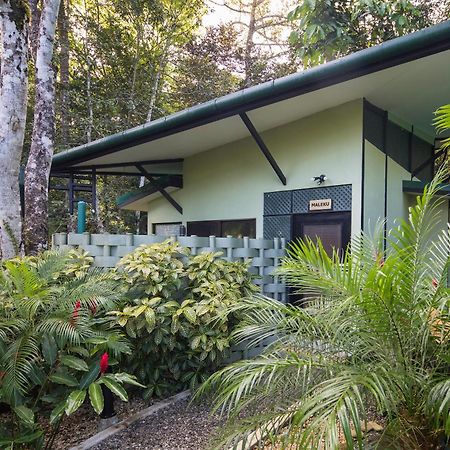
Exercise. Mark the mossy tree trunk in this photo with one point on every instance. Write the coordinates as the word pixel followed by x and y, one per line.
pixel 42 142
pixel 14 17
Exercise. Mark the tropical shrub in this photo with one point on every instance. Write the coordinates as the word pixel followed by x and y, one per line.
pixel 176 313
pixel 55 342
pixel 373 334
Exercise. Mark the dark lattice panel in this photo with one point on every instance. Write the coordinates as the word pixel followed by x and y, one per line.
pixel 277 226
pixel 341 197
pixel 276 203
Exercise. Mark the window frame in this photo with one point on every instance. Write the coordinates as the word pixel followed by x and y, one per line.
pixel 220 225
pixel 154 225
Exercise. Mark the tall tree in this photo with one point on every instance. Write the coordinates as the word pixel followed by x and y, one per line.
pixel 327 29
pixel 14 18
pixel 35 16
pixel 263 27
pixel 207 68
pixel 37 170
pixel 64 77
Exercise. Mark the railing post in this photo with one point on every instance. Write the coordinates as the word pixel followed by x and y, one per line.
pixel 129 239
pixel 212 242
pixel 81 217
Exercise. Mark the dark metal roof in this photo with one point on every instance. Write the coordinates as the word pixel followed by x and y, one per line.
pixel 417 187
pixel 149 189
pixel 389 54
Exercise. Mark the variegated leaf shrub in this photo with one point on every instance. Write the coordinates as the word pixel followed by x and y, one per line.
pixel 176 313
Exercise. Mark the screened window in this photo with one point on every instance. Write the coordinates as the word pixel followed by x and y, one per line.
pixel 167 229
pixel 222 228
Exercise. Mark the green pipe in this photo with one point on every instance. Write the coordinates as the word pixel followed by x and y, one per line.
pixel 81 219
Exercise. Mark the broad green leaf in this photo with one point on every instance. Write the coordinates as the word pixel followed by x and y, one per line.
pixel 90 377
pixel 158 337
pixel 37 375
pixel 150 318
pixel 26 415
pixel 139 310
pixel 190 314
pixel 30 437
pixel 57 412
pixel 64 378
pixel 114 387
pixel 49 398
pixel 96 397
pixel 97 340
pixel 74 363
pixel 80 350
pixel 195 342
pixel 130 330
pixel 49 349
pixel 123 377
pixel 74 401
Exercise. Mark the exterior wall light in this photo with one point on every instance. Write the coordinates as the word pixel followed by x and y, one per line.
pixel 320 179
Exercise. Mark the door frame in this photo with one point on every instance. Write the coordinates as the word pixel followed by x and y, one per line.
pixel 344 217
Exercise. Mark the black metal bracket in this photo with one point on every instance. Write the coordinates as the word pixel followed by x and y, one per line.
pixel 263 147
pixel 165 194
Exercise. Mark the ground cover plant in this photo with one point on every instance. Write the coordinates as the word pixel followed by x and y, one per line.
pixel 372 334
pixel 175 311
pixel 56 344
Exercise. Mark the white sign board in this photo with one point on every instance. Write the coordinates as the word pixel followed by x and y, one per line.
pixel 320 205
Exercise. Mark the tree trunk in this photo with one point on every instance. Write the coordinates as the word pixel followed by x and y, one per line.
pixel 249 44
pixel 63 28
pixel 90 121
pixel 34 29
pixel 13 106
pixel 42 142
pixel 158 74
pixel 154 94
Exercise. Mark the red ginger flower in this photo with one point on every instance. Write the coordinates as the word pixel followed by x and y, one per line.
pixel 435 282
pixel 104 362
pixel 75 311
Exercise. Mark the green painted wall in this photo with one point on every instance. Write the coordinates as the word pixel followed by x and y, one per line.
pixel 374 187
pixel 374 162
pixel 398 203
pixel 229 182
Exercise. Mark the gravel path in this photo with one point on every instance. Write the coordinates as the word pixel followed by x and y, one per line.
pixel 178 427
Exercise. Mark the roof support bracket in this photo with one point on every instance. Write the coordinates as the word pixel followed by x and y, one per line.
pixel 165 194
pixel 263 147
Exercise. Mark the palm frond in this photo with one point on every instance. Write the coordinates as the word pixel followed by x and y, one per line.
pixel 442 123
pixel 17 362
pixel 438 405
pixel 373 330
pixel 51 263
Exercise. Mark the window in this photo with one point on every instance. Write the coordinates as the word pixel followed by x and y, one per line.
pixel 223 228
pixel 167 229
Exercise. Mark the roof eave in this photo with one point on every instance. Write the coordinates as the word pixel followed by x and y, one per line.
pixel 391 53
